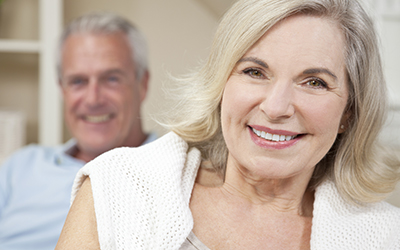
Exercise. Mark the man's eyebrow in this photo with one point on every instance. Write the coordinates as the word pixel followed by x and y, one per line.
pixel 113 71
pixel 319 71
pixel 255 60
pixel 101 74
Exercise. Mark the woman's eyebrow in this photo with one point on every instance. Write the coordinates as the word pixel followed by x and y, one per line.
pixel 255 60
pixel 306 72
pixel 319 71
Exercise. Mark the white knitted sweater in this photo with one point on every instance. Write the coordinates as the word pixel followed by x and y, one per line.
pixel 141 198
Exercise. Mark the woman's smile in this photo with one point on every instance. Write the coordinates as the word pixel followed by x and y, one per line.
pixel 272 136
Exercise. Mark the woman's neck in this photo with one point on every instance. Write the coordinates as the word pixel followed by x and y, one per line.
pixel 281 195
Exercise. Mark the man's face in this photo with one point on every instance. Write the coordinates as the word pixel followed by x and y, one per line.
pixel 102 95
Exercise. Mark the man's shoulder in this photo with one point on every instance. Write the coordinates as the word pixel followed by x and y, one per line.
pixel 23 165
pixel 30 154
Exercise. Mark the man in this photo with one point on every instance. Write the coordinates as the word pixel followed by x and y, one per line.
pixel 102 66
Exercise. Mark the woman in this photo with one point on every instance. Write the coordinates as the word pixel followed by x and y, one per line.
pixel 287 111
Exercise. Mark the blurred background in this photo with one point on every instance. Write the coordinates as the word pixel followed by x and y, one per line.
pixel 179 34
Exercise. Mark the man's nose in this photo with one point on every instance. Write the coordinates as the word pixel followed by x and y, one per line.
pixel 93 93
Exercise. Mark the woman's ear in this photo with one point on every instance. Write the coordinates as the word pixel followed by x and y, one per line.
pixel 344 122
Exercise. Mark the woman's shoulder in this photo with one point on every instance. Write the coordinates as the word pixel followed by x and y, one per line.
pixel 353 226
pixel 158 176
pixel 329 199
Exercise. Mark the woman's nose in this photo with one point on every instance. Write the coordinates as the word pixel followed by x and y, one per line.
pixel 278 102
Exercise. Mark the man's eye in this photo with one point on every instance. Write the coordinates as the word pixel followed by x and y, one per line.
pixel 112 79
pixel 76 82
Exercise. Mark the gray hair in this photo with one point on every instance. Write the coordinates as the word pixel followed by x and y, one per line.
pixel 103 22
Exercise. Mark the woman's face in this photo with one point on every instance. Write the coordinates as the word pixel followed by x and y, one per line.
pixel 283 103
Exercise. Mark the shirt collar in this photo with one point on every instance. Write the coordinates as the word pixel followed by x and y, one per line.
pixel 65 153
pixel 150 137
pixel 70 147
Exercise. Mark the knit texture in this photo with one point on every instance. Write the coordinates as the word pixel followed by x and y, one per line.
pixel 141 199
pixel 338 224
pixel 141 195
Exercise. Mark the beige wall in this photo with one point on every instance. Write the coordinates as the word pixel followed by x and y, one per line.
pixel 394 198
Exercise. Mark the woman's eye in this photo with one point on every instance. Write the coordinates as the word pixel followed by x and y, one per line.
pixel 315 83
pixel 253 73
pixel 256 73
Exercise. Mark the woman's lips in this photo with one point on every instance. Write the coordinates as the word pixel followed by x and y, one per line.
pixel 274 139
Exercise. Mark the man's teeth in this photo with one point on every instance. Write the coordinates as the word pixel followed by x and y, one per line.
pixel 97 118
pixel 272 137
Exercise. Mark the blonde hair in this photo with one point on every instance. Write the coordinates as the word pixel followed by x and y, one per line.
pixel 357 164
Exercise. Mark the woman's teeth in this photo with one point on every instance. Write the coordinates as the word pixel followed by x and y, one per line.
pixel 272 137
pixel 98 118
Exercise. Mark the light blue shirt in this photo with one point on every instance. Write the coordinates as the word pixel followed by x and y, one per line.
pixel 35 191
